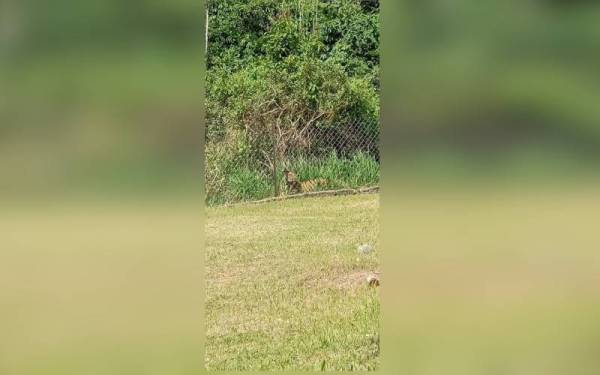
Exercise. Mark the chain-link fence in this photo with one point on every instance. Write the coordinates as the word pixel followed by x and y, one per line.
pixel 243 167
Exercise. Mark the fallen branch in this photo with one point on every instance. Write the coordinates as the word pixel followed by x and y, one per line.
pixel 366 190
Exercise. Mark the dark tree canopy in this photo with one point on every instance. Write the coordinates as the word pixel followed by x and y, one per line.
pixel 325 45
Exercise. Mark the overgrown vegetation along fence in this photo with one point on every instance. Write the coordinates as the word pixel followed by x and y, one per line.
pixel 247 166
pixel 290 84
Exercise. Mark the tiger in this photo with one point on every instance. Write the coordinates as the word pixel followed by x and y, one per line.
pixel 296 186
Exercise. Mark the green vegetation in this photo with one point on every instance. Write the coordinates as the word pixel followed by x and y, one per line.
pixel 356 171
pixel 285 287
pixel 279 75
pixel 100 96
pixel 491 79
pixel 244 184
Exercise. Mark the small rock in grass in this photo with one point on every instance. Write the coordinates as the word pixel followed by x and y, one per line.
pixel 365 249
pixel 373 280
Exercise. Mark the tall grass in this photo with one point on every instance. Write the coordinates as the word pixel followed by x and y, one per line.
pixel 245 183
pixel 357 171
pixel 241 184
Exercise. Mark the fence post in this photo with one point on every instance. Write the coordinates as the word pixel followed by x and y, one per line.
pixel 275 180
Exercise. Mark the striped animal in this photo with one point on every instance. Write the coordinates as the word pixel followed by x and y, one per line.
pixel 296 186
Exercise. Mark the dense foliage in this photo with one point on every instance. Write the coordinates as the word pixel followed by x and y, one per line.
pixel 276 68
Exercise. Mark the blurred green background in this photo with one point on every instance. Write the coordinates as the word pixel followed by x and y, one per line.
pixel 100 96
pixel 490 193
pixel 502 89
pixel 101 231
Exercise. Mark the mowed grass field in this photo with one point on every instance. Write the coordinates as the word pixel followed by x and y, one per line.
pixel 474 282
pixel 286 288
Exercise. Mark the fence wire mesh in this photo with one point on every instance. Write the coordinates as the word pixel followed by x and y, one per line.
pixel 241 166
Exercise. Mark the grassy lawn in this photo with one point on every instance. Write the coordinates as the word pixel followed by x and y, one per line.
pixel 286 288
pixel 476 283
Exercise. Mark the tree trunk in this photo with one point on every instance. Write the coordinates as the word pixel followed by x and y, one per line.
pixel 275 179
pixel 206 32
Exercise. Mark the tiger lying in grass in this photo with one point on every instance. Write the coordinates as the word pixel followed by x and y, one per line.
pixel 296 186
